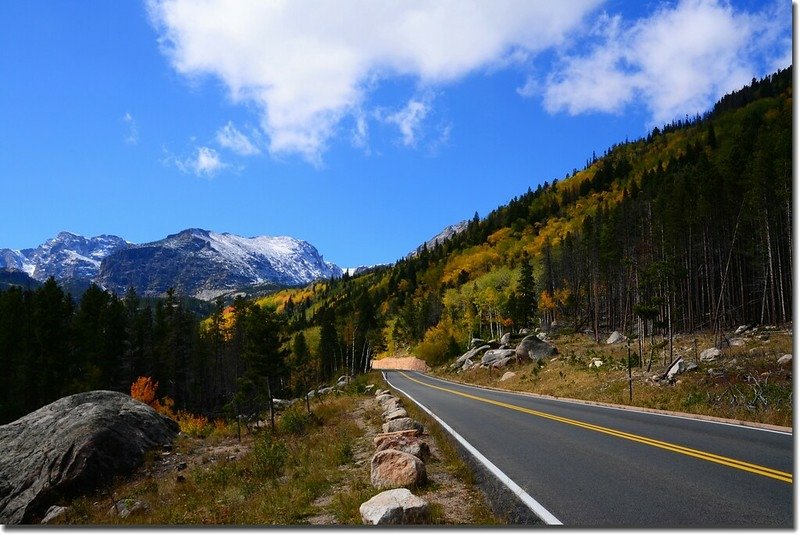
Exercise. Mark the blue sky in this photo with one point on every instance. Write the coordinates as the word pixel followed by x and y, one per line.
pixel 362 127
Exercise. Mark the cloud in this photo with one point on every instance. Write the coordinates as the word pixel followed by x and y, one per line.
pixel 409 120
pixel 677 61
pixel 132 136
pixel 204 162
pixel 231 138
pixel 306 65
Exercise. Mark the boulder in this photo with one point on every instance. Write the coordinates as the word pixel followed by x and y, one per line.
pixel 497 354
pixel 533 348
pixel 471 354
pixel 476 342
pixel 737 342
pixel 380 392
pixel 508 375
pixel 595 363
pixel 393 468
pixel 523 332
pixel 56 512
pixel 505 339
pixel 677 368
pixel 395 414
pixel 326 390
pixel 692 366
pixel 503 362
pixel 710 354
pixel 127 507
pixel 405 443
pixel 391 404
pixel 615 338
pixel 73 445
pixel 467 365
pixel 741 329
pixel 785 359
pixel 380 437
pixel 384 397
pixel 393 507
pixel 368 389
pixel 402 424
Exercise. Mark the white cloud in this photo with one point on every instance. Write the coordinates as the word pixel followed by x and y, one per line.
pixel 677 61
pixel 132 136
pixel 231 138
pixel 307 64
pixel 204 162
pixel 409 120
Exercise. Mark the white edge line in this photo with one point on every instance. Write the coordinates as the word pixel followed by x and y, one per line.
pixel 538 509
pixel 602 405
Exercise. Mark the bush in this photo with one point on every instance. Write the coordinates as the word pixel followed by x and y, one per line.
pixel 294 421
pixel 269 457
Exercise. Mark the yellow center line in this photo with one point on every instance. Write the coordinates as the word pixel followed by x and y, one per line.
pixel 711 457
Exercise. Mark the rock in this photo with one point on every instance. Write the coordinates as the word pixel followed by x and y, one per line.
pixel 710 354
pixel 311 393
pixel 394 468
pixel 396 506
pixel 476 342
pixel 508 375
pixel 741 329
pixel 503 362
pixel 380 437
pixel 326 390
pixel 368 389
pixel 467 365
pixel 505 339
pixel 737 342
pixel 380 392
pixel 127 507
pixel 72 445
pixel 533 348
pixel 497 354
pixel 392 405
pixel 471 354
pixel 395 414
pixel 596 363
pixel 692 366
pixel 615 338
pixel 344 379
pixel 677 368
pixel 523 332
pixel 785 359
pixel 401 424
pixel 383 397
pixel 55 512
pixel 405 443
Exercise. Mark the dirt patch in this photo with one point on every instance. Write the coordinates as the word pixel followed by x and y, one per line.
pixel 400 363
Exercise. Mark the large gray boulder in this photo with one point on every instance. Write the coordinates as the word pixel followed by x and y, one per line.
pixel 75 444
pixel 470 355
pixel 396 506
pixel 533 348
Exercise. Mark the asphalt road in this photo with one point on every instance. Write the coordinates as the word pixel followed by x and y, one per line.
pixel 589 466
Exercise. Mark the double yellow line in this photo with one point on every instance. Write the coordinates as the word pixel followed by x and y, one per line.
pixel 711 457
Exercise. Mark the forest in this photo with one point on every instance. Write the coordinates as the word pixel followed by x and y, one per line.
pixel 686 229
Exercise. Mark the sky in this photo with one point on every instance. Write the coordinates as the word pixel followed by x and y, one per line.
pixel 363 127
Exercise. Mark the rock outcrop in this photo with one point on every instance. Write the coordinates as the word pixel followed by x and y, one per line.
pixel 75 444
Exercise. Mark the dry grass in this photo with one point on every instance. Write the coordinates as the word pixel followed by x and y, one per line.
pixel 746 383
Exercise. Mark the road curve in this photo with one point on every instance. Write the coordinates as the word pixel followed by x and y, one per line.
pixel 591 466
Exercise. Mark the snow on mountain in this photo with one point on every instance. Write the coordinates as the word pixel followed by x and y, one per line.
pixel 206 264
pixel 195 262
pixel 67 256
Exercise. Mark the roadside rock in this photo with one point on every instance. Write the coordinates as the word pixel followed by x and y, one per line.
pixel 505 339
pixel 741 329
pixel 407 444
pixel 677 368
pixel 402 424
pixel 394 468
pixel 396 506
pixel 395 414
pixel 75 444
pixel 494 355
pixel 381 437
pixel 533 348
pixel 785 359
pixel 470 355
pixel 503 362
pixel 508 375
pixel 737 342
pixel 467 365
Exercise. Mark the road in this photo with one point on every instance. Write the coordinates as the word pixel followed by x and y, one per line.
pixel 590 466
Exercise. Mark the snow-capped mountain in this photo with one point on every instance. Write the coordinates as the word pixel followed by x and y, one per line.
pixel 194 262
pixel 206 264
pixel 67 256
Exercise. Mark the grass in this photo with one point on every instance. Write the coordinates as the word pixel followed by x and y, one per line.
pixel 275 483
pixel 745 383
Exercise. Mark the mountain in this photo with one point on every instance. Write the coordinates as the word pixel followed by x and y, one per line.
pixel 68 256
pixel 443 236
pixel 206 264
